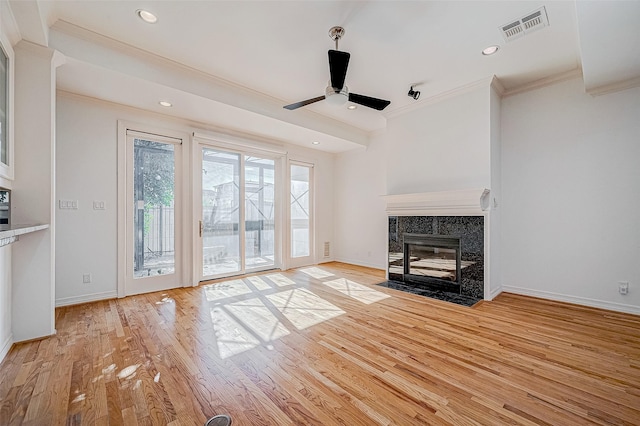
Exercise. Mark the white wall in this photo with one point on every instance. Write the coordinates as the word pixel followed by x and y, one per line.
pixel 33 191
pixel 442 146
pixel 360 223
pixel 571 185
pixel 86 171
pixel 439 147
pixel 86 239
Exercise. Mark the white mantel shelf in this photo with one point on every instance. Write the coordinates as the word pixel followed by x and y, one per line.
pixel 462 202
pixel 9 233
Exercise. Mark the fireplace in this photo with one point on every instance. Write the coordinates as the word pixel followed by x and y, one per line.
pixel 440 242
pixel 438 253
pixel 433 261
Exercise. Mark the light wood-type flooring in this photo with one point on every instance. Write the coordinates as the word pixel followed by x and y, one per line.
pixel 324 346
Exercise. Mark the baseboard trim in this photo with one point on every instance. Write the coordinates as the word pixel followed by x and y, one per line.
pixel 594 303
pixel 6 347
pixel 359 263
pixel 86 298
pixel 495 292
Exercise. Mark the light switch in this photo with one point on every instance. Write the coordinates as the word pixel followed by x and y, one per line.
pixel 68 204
pixel 99 205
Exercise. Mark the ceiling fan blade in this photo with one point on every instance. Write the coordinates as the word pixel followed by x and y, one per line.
pixel 367 101
pixel 303 103
pixel 338 63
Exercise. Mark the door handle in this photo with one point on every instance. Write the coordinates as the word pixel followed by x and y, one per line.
pixel 201 228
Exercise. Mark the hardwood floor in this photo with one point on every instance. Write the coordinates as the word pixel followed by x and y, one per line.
pixel 322 346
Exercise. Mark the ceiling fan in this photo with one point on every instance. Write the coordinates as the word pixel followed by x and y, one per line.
pixel 336 92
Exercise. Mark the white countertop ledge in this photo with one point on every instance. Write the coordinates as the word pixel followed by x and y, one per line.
pixel 8 233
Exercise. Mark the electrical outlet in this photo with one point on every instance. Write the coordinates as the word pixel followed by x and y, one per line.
pixel 86 278
pixel 623 287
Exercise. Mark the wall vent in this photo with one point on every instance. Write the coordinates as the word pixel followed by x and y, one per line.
pixel 327 248
pixel 527 24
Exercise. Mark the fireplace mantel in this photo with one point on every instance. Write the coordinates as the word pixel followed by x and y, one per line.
pixel 469 202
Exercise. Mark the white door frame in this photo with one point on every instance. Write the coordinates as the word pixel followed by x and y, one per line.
pixel 183 208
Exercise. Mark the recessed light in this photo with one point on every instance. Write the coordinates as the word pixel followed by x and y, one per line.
pixel 165 104
pixel 490 50
pixel 352 107
pixel 147 16
pixel 315 143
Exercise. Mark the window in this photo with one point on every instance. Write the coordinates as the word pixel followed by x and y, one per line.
pixel 301 226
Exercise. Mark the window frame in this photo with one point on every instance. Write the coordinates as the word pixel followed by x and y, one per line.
pixel 7 169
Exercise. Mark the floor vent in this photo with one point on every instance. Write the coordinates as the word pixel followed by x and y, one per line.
pixel 525 25
pixel 326 249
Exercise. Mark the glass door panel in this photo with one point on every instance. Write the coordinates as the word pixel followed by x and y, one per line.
pixel 153 258
pixel 220 213
pixel 153 205
pixel 300 213
pixel 259 189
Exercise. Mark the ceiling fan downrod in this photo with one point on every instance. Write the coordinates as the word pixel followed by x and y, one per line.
pixel 336 34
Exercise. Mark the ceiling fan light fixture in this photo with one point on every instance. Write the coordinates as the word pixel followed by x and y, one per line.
pixel 336 97
pixel 147 16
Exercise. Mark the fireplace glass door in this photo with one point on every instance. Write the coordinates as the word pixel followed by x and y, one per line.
pixel 433 262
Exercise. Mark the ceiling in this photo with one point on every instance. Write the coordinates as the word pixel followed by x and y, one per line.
pixel 234 64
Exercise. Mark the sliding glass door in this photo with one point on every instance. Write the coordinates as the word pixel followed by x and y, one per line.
pixel 259 220
pixel 237 228
pixel 219 226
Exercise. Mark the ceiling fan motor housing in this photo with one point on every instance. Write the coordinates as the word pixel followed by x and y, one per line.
pixel 336 96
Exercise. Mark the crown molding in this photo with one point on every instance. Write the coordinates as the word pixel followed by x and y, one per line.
pixel 9 24
pixel 448 94
pixel 614 87
pixel 53 55
pixel 497 85
pixel 543 82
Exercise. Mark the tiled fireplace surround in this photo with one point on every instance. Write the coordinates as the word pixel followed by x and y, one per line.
pixel 462 214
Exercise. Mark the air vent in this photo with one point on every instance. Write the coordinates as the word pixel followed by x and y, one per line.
pixel 525 25
pixel 326 249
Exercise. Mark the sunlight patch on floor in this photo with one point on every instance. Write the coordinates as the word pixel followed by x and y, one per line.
pixel 280 280
pixel 254 315
pixel 303 308
pixel 225 289
pixel 360 292
pixel 316 272
pixel 258 283
pixel 231 337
